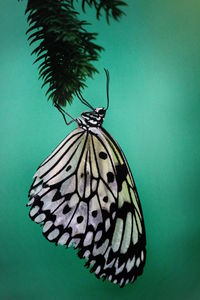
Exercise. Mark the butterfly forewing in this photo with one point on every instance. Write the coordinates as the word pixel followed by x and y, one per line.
pixel 84 195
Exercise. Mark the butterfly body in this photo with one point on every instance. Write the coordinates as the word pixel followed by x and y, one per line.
pixel 84 194
pixel 92 119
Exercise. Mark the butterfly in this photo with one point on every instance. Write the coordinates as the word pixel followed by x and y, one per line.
pixel 84 195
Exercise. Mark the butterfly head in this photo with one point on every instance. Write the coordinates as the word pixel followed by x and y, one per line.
pixel 93 118
pixel 100 111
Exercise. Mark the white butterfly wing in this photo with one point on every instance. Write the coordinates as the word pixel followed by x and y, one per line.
pixel 124 258
pixel 84 195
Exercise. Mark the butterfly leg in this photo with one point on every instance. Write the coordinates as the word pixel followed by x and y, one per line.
pixel 64 113
pixel 85 102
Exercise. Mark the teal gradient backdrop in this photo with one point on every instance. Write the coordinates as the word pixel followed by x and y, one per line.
pixel 153 55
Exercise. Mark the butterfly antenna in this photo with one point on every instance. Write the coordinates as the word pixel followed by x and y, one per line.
pixel 107 86
pixel 63 112
pixel 85 102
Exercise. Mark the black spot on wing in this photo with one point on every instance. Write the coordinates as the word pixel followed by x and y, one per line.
pixel 103 155
pixel 80 219
pixel 121 173
pixel 66 209
pixel 68 168
pixel 94 213
pixel 110 177
pixel 105 199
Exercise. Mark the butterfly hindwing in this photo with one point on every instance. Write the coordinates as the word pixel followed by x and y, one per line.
pixel 128 241
pixel 84 195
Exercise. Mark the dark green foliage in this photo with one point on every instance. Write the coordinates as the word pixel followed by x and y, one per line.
pixel 111 7
pixel 65 49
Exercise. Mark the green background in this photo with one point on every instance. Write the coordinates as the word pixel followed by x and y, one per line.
pixel 153 55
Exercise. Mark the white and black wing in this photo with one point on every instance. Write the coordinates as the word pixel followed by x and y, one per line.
pixel 125 255
pixel 84 195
